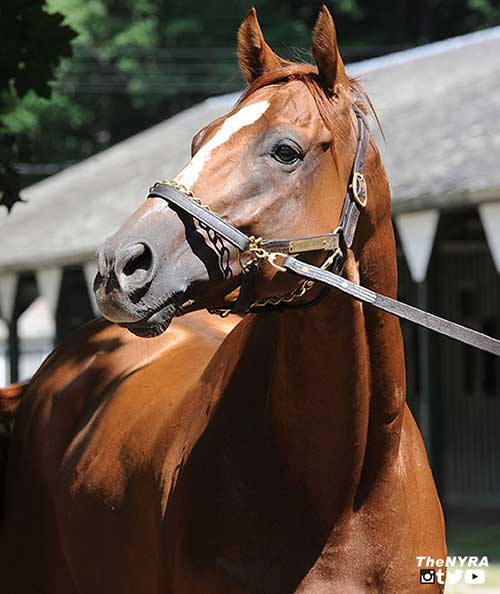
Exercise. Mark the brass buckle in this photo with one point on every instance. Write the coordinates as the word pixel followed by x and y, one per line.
pixel 359 185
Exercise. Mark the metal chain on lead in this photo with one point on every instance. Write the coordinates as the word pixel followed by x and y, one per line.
pixel 177 186
pixel 300 290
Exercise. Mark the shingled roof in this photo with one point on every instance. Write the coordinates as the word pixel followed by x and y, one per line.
pixel 440 110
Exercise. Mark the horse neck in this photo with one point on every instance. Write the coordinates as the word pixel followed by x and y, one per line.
pixel 337 394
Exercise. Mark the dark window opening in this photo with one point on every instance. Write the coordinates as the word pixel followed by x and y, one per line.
pixel 468 302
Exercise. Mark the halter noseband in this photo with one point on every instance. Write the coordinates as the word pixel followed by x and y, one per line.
pixel 279 253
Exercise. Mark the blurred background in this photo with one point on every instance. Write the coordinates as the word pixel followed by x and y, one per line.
pixel 98 98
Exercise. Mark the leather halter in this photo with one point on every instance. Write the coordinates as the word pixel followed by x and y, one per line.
pixel 279 253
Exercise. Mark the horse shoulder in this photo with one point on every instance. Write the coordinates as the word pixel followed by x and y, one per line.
pixel 106 390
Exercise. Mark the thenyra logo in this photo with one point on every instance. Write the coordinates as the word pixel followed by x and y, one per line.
pixel 452 570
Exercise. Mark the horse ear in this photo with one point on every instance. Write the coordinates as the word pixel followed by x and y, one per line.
pixel 326 53
pixel 254 55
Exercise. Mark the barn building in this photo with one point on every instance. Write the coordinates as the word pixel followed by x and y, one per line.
pixel 440 110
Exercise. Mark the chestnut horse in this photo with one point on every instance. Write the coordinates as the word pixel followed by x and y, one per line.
pixel 281 459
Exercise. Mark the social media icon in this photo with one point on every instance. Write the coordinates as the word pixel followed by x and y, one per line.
pixel 474 576
pixel 453 577
pixel 427 576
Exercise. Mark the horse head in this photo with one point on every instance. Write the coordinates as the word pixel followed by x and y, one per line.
pixel 277 165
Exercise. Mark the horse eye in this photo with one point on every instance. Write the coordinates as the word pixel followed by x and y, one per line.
pixel 286 154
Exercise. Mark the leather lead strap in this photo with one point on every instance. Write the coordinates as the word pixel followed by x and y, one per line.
pixel 396 308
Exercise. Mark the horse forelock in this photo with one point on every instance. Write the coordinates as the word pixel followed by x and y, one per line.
pixel 308 74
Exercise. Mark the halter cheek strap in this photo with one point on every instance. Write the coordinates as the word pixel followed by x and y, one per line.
pixel 357 193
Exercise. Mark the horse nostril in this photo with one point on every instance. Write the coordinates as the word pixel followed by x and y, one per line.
pixel 134 266
pixel 142 259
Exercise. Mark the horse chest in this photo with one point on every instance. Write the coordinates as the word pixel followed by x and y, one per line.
pixel 243 520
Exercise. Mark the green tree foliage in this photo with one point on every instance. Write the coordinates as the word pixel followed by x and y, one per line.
pixel 33 41
pixel 136 62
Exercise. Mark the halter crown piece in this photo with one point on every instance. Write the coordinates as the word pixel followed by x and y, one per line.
pixel 279 253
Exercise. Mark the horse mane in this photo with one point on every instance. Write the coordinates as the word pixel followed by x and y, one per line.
pixel 308 74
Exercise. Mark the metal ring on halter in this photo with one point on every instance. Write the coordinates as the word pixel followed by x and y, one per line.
pixel 271 258
pixel 359 189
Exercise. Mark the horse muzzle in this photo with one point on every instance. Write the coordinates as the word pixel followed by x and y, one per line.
pixel 128 291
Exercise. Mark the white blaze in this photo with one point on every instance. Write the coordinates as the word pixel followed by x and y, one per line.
pixel 244 117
